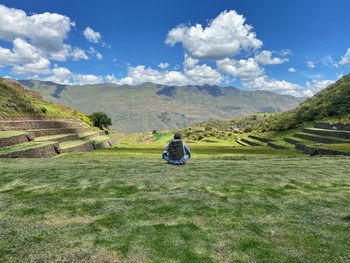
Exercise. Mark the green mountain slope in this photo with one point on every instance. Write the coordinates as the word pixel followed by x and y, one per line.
pixel 150 106
pixel 331 104
pixel 15 100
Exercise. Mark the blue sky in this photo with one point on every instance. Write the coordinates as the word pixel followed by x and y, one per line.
pixel 291 47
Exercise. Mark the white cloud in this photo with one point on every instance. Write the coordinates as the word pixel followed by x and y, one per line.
pixel 163 65
pixel 345 60
pixel 253 77
pixel 45 31
pixel 199 74
pixel 279 86
pixel 292 70
pixel 244 69
pixel 265 58
pixel 36 39
pixel 24 58
pixel 91 35
pixel 314 86
pixel 65 76
pixel 203 74
pixel 79 54
pixel 22 52
pixel 310 64
pixel 39 67
pixel 95 53
pixel 225 36
pixel 190 62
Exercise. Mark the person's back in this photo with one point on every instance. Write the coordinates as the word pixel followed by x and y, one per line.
pixel 177 152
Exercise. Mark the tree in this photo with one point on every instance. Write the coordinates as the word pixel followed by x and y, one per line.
pixel 100 120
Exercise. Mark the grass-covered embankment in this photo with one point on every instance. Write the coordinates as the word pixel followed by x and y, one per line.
pixel 233 209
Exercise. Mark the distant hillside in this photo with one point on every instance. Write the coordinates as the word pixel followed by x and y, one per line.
pixel 150 106
pixel 15 100
pixel 331 104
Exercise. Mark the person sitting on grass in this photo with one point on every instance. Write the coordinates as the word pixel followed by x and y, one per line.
pixel 177 151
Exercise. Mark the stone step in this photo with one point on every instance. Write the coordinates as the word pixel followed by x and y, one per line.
pixel 77 146
pixel 48 132
pixel 328 133
pixel 91 135
pixel 105 141
pixel 30 150
pixel 8 138
pixel 276 146
pixel 39 124
pixel 241 143
pixel 313 150
pixel 58 137
pixel 291 141
pixel 335 126
pixel 251 143
pixel 319 139
pixel 266 140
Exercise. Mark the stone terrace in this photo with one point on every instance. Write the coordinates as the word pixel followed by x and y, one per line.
pixel 34 137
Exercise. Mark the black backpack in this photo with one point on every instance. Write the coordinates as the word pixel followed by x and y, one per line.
pixel 176 150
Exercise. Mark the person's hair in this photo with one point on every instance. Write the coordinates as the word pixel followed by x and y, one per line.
pixel 177 136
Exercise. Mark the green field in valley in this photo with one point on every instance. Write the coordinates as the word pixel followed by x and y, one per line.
pixel 126 205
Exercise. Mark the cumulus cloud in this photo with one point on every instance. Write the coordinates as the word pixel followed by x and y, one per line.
pixel 79 54
pixel 36 39
pixel 292 70
pixel 244 69
pixel 63 75
pixel 225 36
pixel 46 31
pixel 315 86
pixel 91 35
pixel 199 74
pixel 310 64
pixel 189 62
pixel 265 58
pixel 278 86
pixel 163 65
pixel 345 60
pixel 24 58
pixel 95 53
pixel 38 67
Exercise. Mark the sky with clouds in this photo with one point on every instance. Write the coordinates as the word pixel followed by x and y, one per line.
pixel 289 47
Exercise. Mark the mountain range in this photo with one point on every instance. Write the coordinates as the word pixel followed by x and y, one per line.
pixel 151 106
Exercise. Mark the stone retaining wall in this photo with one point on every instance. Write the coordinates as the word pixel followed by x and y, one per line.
pixel 106 144
pixel 67 138
pixel 316 139
pixel 250 142
pixel 338 126
pixel 259 138
pixel 29 118
pixel 85 147
pixel 240 143
pixel 40 152
pixel 330 133
pixel 318 151
pixel 89 137
pixel 291 141
pixel 14 140
pixel 38 124
pixel 40 133
pixel 276 146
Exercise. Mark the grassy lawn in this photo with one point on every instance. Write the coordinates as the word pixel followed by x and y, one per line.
pixel 106 207
pixel 7 134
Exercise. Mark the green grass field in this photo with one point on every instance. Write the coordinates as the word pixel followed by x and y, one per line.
pixel 104 206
